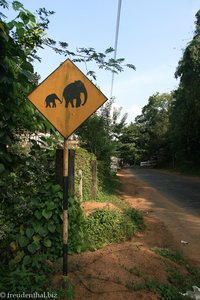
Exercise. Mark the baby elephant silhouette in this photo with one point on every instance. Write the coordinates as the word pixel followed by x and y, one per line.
pixel 51 99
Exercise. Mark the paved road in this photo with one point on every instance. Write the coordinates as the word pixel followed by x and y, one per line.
pixel 183 190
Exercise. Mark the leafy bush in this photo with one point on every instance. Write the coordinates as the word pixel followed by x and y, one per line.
pixel 76 223
pixel 107 226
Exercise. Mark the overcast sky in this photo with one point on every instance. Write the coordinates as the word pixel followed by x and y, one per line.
pixel 152 36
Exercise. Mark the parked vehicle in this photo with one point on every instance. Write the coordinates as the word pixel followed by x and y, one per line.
pixel 148 163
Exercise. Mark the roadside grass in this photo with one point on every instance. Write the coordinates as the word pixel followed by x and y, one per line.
pixel 178 282
pixel 166 291
pixel 182 281
pixel 110 193
pixel 172 255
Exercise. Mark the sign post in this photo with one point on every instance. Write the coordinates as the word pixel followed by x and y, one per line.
pixel 65 206
pixel 66 98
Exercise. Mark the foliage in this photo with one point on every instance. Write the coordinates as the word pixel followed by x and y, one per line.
pixel 83 162
pixel 32 209
pixel 137 217
pixel 129 145
pixel 100 135
pixel 34 282
pixel 31 202
pixel 185 281
pixel 76 222
pixel 105 226
pixel 172 255
pixel 166 291
pixel 24 280
pixel 94 137
pixel 185 118
pixel 147 138
pixel 19 39
pixel 153 126
pixel 31 214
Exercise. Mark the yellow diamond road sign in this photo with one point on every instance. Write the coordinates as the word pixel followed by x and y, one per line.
pixel 67 98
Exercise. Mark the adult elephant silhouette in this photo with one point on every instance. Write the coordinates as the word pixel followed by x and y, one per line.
pixel 73 92
pixel 51 99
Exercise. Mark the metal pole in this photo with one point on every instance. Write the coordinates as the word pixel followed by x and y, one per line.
pixel 116 42
pixel 65 207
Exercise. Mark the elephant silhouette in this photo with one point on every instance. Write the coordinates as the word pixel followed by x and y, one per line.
pixel 51 99
pixel 73 92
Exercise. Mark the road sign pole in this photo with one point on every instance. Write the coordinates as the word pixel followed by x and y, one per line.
pixel 65 206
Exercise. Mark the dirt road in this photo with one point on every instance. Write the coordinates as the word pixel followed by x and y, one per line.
pixel 180 218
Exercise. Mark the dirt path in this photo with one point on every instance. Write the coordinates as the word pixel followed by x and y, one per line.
pixel 181 223
pixel 111 273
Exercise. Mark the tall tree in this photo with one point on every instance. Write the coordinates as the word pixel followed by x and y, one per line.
pixel 153 125
pixel 101 132
pixel 185 121
pixel 129 145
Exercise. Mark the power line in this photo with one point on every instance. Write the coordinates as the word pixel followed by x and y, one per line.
pixel 116 42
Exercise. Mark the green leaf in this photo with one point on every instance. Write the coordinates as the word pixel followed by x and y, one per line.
pixel 60 195
pixel 51 227
pixel 27 66
pixel 29 232
pixel 4 4
pixel 131 66
pixel 47 214
pixel 43 231
pixel 37 238
pixel 24 17
pixel 27 260
pixel 36 227
pixel 32 248
pixel 31 17
pixel 38 214
pixel 55 188
pixel 17 5
pixel 47 243
pixel 109 50
pixel 20 32
pixel 23 241
pixel 51 206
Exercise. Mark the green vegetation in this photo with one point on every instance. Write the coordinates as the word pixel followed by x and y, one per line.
pixel 178 282
pixel 182 281
pixel 83 163
pixel 172 255
pixel 105 226
pixel 31 218
pixel 166 291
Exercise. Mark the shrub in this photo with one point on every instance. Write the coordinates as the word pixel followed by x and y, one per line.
pixel 103 227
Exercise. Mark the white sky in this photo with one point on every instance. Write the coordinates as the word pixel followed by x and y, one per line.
pixel 152 36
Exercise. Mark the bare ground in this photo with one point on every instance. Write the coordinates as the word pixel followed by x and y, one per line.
pixel 108 273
